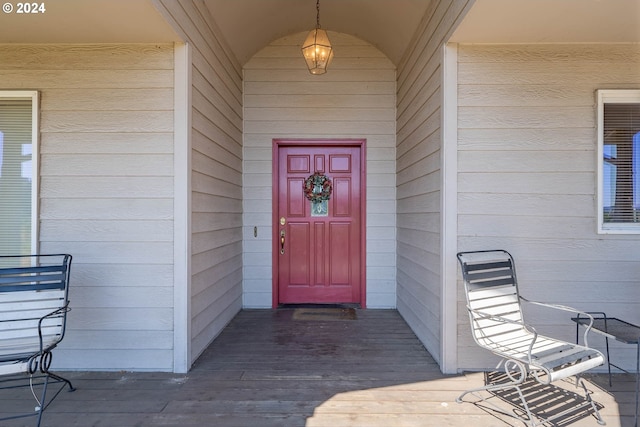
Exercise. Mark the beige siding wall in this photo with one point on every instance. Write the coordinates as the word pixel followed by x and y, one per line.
pixel 354 99
pixel 216 159
pixel 106 193
pixel 418 167
pixel 527 179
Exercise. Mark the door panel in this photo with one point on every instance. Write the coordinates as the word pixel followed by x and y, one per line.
pixel 321 258
pixel 299 256
pixel 340 249
pixel 295 201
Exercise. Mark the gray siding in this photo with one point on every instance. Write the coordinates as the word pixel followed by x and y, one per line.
pixel 106 194
pixel 418 180
pixel 354 99
pixel 527 179
pixel 216 179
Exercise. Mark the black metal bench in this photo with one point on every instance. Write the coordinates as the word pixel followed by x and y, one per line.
pixel 34 303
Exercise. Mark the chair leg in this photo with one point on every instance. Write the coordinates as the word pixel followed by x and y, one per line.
pixel 513 383
pixel 517 374
pixel 587 395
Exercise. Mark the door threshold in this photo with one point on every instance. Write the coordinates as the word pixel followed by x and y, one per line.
pixel 291 306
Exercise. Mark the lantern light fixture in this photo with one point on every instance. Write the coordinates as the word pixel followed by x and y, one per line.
pixel 316 49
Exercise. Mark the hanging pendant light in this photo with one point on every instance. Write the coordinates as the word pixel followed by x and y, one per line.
pixel 316 49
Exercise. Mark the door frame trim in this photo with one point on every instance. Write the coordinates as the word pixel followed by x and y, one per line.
pixel 360 143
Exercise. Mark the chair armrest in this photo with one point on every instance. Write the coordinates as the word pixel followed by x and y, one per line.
pixel 569 309
pixel 64 309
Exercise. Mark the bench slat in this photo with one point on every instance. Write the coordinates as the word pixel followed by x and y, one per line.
pixel 24 277
pixel 50 329
pixel 13 368
pixel 24 316
pixel 29 305
pixel 30 295
pixel 39 269
pixel 14 345
pixel 31 287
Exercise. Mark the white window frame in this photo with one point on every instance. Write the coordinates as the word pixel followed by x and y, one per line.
pixel 35 158
pixel 605 96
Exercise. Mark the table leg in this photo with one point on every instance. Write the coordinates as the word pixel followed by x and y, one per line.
pixel 637 377
pixel 606 340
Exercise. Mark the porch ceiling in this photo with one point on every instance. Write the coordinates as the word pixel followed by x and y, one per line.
pixel 551 21
pixel 87 21
pixel 249 25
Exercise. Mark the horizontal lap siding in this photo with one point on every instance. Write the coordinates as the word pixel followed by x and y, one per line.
pixel 354 99
pixel 216 180
pixel 418 180
pixel 106 192
pixel 527 179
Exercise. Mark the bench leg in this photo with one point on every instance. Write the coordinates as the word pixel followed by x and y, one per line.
pixel 64 380
pixel 42 403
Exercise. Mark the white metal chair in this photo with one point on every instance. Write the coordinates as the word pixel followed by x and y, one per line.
pixel 497 324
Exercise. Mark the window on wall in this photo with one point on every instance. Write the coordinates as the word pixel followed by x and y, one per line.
pixel 619 161
pixel 18 172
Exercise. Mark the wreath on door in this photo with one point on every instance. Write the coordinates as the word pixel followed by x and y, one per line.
pixel 317 187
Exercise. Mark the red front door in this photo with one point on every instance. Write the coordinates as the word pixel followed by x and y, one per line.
pixel 318 247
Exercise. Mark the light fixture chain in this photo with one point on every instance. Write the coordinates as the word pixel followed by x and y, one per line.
pixel 316 48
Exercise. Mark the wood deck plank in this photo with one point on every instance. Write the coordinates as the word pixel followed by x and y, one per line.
pixel 267 369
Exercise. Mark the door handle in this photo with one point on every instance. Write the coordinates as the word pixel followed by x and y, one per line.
pixel 282 234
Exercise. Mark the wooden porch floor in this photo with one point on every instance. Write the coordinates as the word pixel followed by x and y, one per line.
pixel 286 368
